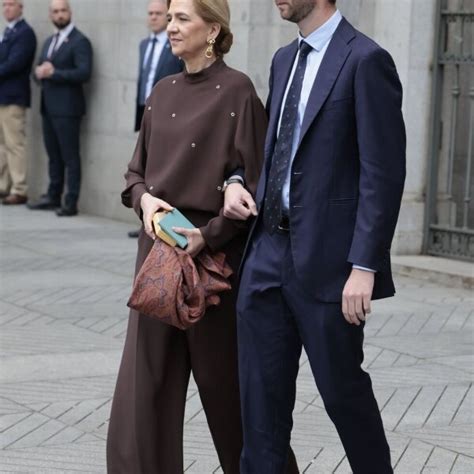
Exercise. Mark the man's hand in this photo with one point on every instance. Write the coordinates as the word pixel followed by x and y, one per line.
pixel 195 240
pixel 48 69
pixel 150 205
pixel 39 74
pixel 238 203
pixel 357 295
pixel 44 70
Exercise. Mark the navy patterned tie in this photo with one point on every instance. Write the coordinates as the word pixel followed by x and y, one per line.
pixel 282 153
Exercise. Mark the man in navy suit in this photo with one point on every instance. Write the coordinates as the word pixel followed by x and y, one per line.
pixel 65 65
pixel 17 52
pixel 156 61
pixel 328 202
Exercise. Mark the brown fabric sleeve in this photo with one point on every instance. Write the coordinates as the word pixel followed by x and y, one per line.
pixel 249 142
pixel 135 175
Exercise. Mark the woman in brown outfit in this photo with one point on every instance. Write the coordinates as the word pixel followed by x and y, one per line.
pixel 198 126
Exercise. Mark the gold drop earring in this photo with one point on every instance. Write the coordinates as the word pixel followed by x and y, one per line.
pixel 210 48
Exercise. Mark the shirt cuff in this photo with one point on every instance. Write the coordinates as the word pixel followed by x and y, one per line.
pixel 365 269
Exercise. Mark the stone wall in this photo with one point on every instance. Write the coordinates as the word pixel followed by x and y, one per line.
pixel 115 27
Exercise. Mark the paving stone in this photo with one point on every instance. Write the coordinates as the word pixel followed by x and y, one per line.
pixel 63 318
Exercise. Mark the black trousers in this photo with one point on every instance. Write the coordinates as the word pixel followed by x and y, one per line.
pixel 275 318
pixel 61 138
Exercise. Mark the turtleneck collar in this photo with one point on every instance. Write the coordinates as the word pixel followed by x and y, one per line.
pixel 204 74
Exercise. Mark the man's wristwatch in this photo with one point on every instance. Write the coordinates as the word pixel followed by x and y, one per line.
pixel 231 180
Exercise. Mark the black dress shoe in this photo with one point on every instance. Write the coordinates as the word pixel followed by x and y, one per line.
pixel 44 203
pixel 14 199
pixel 66 211
pixel 4 194
pixel 133 234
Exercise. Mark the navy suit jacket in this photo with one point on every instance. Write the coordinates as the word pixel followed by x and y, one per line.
pixel 349 170
pixel 167 64
pixel 62 94
pixel 17 53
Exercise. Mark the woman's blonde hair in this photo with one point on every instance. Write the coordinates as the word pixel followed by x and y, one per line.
pixel 216 11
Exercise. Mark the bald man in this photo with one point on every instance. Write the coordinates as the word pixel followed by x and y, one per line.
pixel 65 65
pixel 156 61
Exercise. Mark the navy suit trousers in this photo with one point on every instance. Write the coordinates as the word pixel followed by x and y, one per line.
pixel 61 138
pixel 276 318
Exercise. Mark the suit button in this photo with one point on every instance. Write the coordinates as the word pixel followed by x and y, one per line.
pixel 151 188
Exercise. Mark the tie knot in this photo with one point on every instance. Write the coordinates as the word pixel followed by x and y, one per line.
pixel 154 39
pixel 305 48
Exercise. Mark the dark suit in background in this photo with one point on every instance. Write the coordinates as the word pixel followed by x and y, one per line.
pixel 167 64
pixel 17 51
pixel 346 182
pixel 62 107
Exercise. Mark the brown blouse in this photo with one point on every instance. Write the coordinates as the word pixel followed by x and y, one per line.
pixel 198 128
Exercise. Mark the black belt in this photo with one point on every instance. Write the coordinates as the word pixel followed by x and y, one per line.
pixel 284 225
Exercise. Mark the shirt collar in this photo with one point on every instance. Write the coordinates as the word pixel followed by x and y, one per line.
pixel 65 32
pixel 162 36
pixel 322 35
pixel 13 23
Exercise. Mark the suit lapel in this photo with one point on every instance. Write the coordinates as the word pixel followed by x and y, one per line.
pixel 143 47
pixel 334 58
pixel 44 53
pixel 64 45
pixel 164 56
pixel 281 75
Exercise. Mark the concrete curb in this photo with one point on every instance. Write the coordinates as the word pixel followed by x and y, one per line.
pixel 439 270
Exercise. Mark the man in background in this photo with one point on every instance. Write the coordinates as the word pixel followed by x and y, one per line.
pixel 65 65
pixel 156 61
pixel 17 52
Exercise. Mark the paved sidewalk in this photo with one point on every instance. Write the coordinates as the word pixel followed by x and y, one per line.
pixel 63 288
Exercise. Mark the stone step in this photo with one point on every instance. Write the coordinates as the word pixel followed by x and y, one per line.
pixel 446 272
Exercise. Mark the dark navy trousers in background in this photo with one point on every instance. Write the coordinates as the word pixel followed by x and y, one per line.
pixel 61 138
pixel 276 317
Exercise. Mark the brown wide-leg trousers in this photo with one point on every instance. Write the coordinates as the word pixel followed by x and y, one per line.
pixel 146 424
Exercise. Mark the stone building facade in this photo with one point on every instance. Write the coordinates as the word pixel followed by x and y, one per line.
pixel 406 28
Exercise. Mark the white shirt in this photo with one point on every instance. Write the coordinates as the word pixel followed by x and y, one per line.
pixel 319 39
pixel 63 34
pixel 160 44
pixel 12 24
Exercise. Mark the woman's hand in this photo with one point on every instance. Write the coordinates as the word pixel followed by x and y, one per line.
pixel 150 205
pixel 238 203
pixel 195 240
